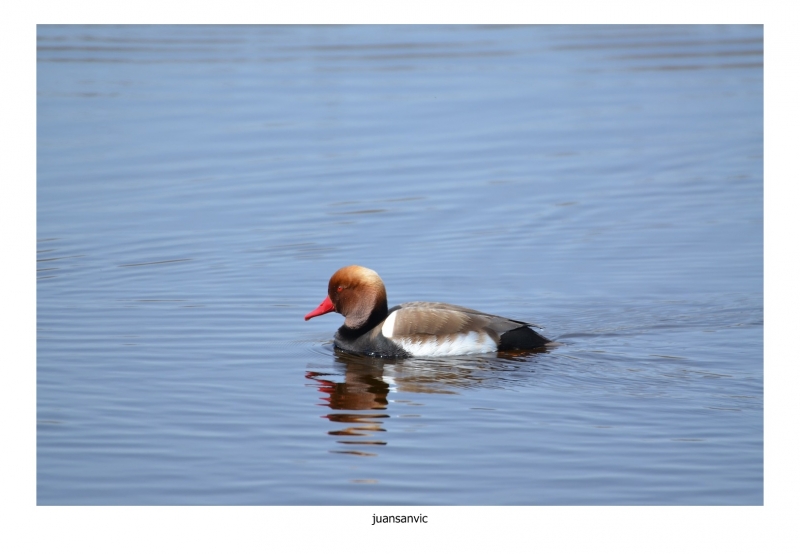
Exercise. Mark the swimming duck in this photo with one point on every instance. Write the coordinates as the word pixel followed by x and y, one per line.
pixel 418 329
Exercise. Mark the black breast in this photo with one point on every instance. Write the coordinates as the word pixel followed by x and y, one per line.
pixel 372 343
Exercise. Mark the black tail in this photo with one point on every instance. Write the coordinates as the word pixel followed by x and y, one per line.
pixel 521 338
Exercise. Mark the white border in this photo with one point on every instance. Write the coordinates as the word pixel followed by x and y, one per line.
pixel 28 528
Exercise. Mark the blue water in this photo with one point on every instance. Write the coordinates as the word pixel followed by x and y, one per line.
pixel 197 186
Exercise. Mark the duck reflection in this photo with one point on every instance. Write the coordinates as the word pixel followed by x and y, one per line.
pixel 361 400
pixel 364 391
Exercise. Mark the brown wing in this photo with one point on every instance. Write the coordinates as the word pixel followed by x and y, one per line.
pixel 435 318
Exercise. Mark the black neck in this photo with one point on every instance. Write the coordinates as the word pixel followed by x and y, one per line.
pixel 378 314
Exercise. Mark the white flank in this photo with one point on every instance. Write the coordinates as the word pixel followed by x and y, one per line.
pixel 388 326
pixel 469 343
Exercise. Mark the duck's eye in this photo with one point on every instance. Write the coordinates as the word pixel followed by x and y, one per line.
pixel 339 289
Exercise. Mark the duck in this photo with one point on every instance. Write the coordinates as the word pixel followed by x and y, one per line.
pixel 414 329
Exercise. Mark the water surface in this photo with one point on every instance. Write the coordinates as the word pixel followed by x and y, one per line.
pixel 197 186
